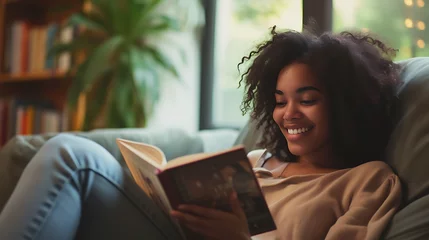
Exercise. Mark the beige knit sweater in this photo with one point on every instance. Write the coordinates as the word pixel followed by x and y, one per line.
pixel 355 203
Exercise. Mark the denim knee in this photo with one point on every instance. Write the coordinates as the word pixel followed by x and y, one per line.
pixel 76 153
pixel 68 141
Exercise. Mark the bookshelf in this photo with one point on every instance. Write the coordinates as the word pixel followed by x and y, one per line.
pixel 26 77
pixel 33 87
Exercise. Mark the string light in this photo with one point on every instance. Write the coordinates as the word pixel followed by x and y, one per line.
pixel 420 3
pixel 421 25
pixel 420 43
pixel 408 2
pixel 408 23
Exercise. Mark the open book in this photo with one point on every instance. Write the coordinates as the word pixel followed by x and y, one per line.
pixel 202 179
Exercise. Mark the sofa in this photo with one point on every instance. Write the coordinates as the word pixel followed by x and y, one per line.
pixel 407 151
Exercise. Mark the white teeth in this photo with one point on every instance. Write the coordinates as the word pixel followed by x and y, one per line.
pixel 298 130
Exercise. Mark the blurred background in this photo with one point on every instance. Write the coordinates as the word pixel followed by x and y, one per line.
pixel 80 65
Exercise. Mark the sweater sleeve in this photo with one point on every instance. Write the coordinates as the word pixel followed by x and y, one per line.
pixel 370 210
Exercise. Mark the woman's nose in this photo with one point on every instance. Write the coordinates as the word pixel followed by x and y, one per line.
pixel 291 112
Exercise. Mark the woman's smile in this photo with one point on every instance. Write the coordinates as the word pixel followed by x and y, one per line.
pixel 295 134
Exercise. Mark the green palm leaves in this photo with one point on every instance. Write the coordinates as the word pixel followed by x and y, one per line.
pixel 121 70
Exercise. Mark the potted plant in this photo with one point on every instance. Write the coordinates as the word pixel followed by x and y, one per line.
pixel 122 69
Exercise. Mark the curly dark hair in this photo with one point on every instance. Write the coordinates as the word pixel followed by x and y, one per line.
pixel 361 81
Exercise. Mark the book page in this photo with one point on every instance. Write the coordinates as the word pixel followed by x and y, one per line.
pixel 144 169
pixel 147 152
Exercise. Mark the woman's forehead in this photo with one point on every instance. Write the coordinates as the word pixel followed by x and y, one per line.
pixel 296 75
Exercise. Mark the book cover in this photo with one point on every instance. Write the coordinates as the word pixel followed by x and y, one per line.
pixel 17 30
pixel 210 183
pixel 50 41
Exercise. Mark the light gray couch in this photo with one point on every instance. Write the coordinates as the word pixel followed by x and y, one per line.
pixel 408 150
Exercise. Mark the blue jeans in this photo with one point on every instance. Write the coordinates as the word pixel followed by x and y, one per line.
pixel 74 189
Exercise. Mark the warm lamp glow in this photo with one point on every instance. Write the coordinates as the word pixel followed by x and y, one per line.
pixel 408 23
pixel 420 3
pixel 420 43
pixel 421 25
pixel 406 51
pixel 408 2
pixel 87 7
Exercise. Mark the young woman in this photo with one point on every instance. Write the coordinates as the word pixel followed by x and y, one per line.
pixel 325 104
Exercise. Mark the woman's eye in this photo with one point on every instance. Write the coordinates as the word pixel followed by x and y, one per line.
pixel 280 104
pixel 308 102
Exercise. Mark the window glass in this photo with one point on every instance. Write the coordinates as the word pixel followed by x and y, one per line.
pixel 240 25
pixel 401 23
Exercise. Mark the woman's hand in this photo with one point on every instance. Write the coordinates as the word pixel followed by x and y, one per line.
pixel 215 224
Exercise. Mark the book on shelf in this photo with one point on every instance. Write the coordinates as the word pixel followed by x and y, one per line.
pixel 27 47
pixel 25 117
pixel 202 179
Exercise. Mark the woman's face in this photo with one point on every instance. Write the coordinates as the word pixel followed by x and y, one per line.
pixel 301 110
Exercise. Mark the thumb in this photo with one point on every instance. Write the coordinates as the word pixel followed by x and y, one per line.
pixel 237 210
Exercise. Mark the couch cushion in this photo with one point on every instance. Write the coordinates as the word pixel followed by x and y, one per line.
pixel 408 152
pixel 217 139
pixel 408 149
pixel 411 223
pixel 250 136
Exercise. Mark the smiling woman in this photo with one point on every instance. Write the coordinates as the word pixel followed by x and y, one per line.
pixel 327 104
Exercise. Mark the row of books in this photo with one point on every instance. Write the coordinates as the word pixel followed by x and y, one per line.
pixel 27 47
pixel 23 117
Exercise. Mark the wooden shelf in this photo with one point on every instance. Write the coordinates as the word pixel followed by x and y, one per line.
pixel 26 77
pixel 42 2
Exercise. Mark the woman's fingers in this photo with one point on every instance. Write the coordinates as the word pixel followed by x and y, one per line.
pixel 186 218
pixel 195 223
pixel 236 206
pixel 212 223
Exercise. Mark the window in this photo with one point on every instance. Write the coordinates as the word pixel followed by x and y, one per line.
pixel 240 25
pixel 401 23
